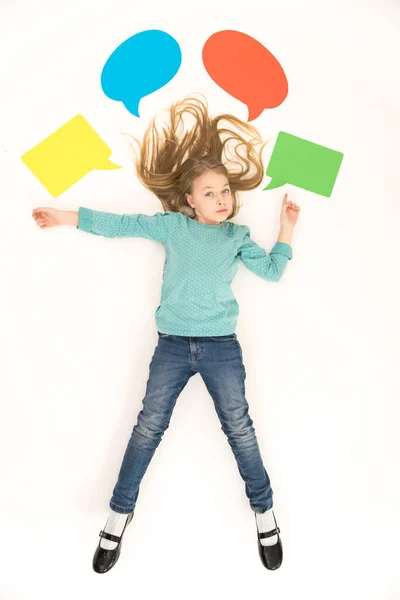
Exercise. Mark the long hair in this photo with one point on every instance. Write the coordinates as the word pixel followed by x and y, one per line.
pixel 168 162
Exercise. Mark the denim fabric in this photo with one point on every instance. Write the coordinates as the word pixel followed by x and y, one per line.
pixel 175 360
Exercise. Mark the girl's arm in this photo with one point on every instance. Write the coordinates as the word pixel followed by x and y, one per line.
pixel 71 217
pixel 285 234
pixel 153 227
pixel 268 266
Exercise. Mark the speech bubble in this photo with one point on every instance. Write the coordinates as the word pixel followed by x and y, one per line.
pixel 139 66
pixel 304 164
pixel 67 155
pixel 245 69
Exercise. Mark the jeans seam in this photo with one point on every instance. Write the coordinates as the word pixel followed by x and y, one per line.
pixel 236 456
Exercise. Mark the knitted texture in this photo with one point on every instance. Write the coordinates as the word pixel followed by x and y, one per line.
pixel 201 262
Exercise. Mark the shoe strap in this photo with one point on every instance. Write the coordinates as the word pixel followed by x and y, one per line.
pixel 109 536
pixel 269 533
pixel 116 538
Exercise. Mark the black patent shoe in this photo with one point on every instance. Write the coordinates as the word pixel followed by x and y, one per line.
pixel 104 560
pixel 271 556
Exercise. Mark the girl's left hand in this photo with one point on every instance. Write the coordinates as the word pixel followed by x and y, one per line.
pixel 289 213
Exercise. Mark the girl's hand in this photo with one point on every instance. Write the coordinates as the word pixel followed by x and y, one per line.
pixel 289 213
pixel 49 217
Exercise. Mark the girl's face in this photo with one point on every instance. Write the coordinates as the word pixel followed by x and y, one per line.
pixel 211 193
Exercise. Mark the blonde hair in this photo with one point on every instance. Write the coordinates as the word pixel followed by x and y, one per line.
pixel 168 162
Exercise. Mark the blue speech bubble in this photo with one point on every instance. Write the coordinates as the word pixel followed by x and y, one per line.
pixel 139 66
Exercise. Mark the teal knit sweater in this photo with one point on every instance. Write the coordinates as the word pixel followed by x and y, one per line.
pixel 201 262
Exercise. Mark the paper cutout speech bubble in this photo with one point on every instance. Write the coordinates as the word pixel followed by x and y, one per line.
pixel 67 155
pixel 139 66
pixel 244 68
pixel 303 164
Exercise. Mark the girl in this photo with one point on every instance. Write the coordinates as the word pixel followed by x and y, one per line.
pixel 196 318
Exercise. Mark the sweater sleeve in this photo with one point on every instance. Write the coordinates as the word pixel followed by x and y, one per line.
pixel 153 227
pixel 268 266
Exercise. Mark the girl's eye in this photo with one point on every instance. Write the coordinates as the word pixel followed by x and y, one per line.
pixel 225 190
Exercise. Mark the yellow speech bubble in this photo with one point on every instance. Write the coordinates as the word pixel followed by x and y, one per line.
pixel 67 155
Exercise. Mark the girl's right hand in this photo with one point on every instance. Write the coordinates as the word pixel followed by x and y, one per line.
pixel 49 217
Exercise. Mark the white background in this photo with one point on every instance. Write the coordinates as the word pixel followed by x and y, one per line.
pixel 321 347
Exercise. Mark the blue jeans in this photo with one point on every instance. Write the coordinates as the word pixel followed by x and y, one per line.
pixel 175 360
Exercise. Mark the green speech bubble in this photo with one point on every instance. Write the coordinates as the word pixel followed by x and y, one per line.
pixel 303 164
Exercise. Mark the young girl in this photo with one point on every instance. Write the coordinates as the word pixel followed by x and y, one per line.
pixel 196 318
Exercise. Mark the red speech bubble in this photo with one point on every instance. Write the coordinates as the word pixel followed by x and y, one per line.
pixel 244 68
